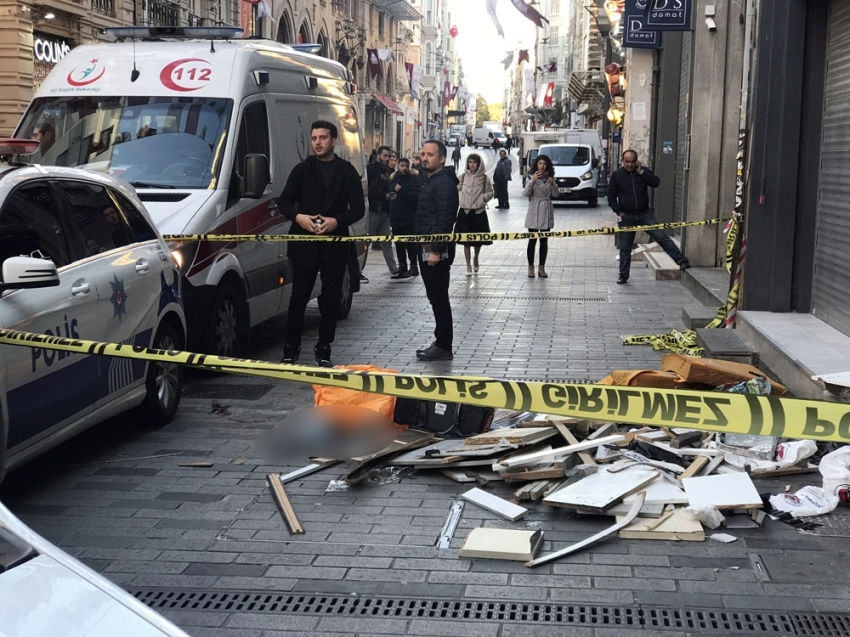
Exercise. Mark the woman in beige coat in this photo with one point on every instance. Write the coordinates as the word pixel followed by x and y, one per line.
pixel 541 212
pixel 475 190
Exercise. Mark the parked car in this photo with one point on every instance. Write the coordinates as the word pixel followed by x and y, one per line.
pixel 45 592
pixel 80 258
pixel 208 137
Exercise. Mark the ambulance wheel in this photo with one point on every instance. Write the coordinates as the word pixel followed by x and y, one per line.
pixel 164 381
pixel 226 331
pixel 346 297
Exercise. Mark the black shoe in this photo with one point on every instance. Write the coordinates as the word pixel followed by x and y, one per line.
pixel 402 276
pixel 413 271
pixel 434 353
pixel 290 354
pixel 685 265
pixel 623 279
pixel 323 355
pixel 363 278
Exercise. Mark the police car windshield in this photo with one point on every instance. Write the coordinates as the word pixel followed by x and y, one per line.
pixel 154 142
pixel 568 155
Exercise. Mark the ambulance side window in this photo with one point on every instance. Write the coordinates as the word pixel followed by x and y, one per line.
pixel 253 138
pixel 29 225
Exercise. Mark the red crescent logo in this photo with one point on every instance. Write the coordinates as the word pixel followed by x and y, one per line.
pixel 74 82
pixel 166 75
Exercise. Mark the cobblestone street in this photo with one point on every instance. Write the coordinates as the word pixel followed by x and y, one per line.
pixel 154 527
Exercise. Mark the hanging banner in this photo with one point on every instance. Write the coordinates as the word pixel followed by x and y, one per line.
pixel 528 87
pixel 548 68
pixel 374 63
pixel 491 9
pixel 550 94
pixel 416 81
pixel 386 55
pixel 454 91
pixel 523 56
pixel 534 15
pixel 669 15
pixel 447 93
pixel 636 33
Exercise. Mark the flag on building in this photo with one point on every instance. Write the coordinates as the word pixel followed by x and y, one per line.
pixel 416 83
pixel 454 91
pixel 508 59
pixel 263 9
pixel 385 55
pixel 453 31
pixel 550 94
pixel 523 56
pixel 447 93
pixel 548 68
pixel 491 9
pixel 374 63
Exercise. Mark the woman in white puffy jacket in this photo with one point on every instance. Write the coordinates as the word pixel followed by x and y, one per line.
pixel 541 212
pixel 475 190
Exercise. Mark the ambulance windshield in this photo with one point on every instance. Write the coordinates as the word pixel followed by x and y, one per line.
pixel 151 142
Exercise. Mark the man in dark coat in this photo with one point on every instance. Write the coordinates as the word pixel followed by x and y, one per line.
pixel 628 196
pixel 436 213
pixel 378 176
pixel 323 196
pixel 406 186
pixel 501 177
pixel 456 157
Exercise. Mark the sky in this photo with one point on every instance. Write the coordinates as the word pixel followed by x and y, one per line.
pixel 480 48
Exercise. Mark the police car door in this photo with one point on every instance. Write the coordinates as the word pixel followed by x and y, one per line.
pixel 46 389
pixel 127 265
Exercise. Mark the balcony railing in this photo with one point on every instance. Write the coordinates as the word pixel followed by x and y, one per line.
pixel 104 7
pixel 163 14
pixel 195 20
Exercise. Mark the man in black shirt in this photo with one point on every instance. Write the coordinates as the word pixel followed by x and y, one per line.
pixel 323 195
pixel 629 198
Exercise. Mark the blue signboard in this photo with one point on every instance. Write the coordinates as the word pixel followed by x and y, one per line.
pixel 669 15
pixel 636 33
pixel 667 148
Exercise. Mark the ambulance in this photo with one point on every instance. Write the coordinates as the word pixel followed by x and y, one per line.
pixel 206 127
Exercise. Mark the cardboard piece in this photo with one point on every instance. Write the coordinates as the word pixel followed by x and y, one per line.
pixel 502 544
pixel 709 371
pixel 675 525
pixel 724 491
pixel 646 378
pixel 458 476
pixel 602 490
pixel 494 504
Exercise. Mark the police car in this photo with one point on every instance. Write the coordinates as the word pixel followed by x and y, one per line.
pixel 80 258
pixel 45 592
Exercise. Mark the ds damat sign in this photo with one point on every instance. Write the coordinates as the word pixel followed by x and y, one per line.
pixel 645 19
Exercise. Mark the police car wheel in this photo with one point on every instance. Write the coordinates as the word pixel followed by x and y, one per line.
pixel 164 381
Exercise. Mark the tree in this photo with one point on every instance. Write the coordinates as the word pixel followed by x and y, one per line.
pixel 482 113
pixel 496 111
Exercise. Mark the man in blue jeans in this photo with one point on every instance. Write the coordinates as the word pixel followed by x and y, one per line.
pixel 628 196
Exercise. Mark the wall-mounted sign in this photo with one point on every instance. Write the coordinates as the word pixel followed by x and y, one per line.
pixel 669 15
pixel 636 33
pixel 49 49
pixel 667 148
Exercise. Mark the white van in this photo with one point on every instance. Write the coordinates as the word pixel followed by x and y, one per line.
pixel 176 116
pixel 576 171
pixel 485 137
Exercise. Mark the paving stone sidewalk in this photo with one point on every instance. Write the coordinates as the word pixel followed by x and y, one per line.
pixel 116 498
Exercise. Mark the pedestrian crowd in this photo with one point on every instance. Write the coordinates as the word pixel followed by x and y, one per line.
pixel 424 195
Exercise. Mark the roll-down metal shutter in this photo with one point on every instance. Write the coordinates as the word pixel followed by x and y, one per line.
pixel 683 130
pixel 831 297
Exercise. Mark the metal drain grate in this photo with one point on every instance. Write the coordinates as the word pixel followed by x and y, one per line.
pixel 833 525
pixel 689 620
pixel 586 299
pixel 227 391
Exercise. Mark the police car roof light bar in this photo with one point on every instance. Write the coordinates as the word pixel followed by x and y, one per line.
pixel 18 146
pixel 178 33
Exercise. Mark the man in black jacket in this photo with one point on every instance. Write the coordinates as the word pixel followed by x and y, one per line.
pixel 323 195
pixel 405 186
pixel 436 213
pixel 629 198
pixel 378 175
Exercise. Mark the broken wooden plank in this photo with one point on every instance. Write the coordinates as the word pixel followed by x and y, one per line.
pixel 549 473
pixel 524 436
pixel 283 504
pixel 602 490
pixel 687 439
pixel 457 475
pixel 536 458
pixel 494 504
pixel 674 525
pixel 586 458
pixel 712 465
pixel 405 441
pixel 502 544
pixel 305 471
pixel 725 491
pixel 638 503
pixel 693 468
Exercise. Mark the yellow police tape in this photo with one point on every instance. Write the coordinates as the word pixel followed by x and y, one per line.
pixel 439 238
pixel 709 411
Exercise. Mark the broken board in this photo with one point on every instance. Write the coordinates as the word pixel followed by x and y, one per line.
pixel 662 492
pixel 494 504
pixel 404 441
pixel 559 452
pixel 724 491
pixel 502 544
pixel 602 490
pixel 675 526
pixel 523 436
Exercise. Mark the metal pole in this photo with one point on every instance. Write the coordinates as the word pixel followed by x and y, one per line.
pixel 606 125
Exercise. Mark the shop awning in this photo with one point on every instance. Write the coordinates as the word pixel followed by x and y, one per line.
pixel 399 9
pixel 388 104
